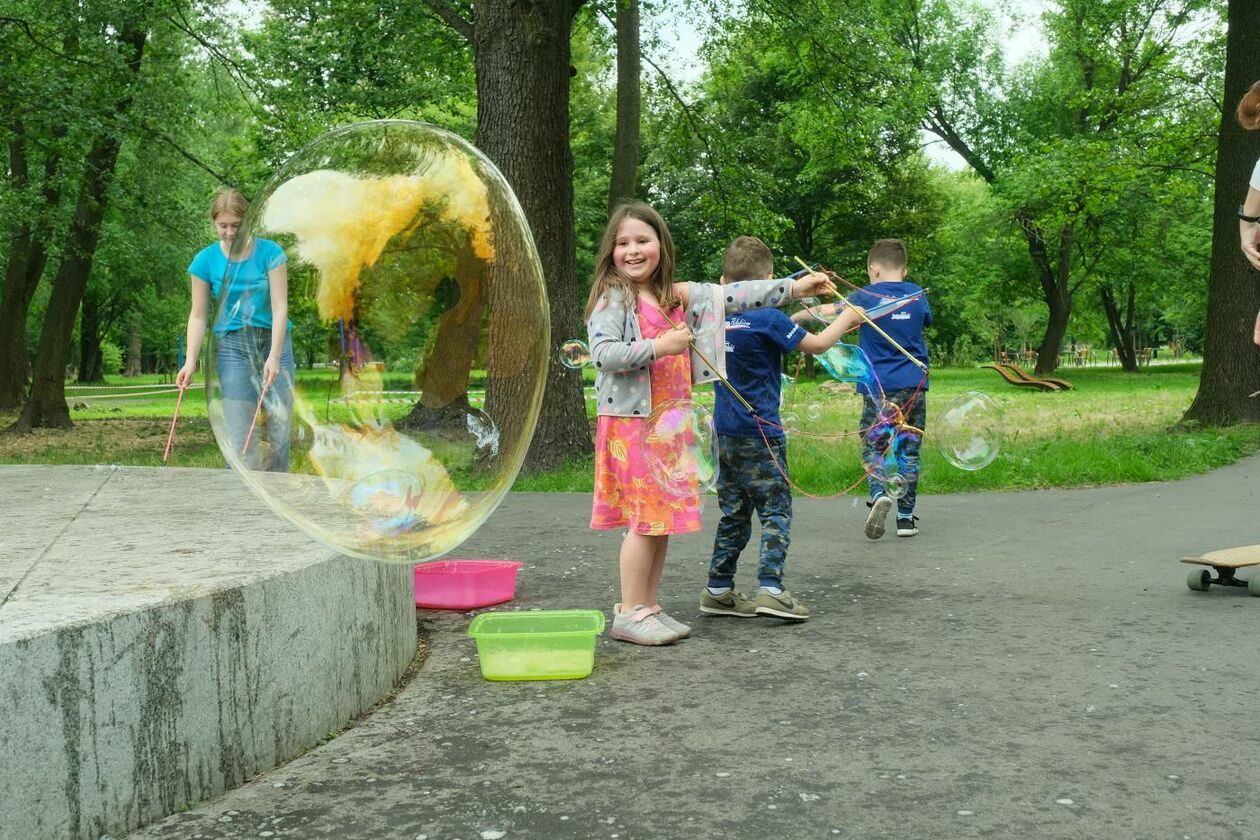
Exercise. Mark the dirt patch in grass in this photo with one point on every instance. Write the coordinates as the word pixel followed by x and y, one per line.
pixel 134 441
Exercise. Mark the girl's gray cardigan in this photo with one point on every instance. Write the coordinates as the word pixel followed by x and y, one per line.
pixel 621 354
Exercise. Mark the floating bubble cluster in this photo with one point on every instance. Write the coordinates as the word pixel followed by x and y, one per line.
pixel 409 251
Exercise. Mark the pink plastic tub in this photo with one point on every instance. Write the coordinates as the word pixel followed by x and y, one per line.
pixel 465 584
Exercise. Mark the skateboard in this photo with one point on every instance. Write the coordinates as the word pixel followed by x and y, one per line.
pixel 1225 562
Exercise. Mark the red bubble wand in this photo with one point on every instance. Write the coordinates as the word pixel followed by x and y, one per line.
pixel 254 422
pixel 170 436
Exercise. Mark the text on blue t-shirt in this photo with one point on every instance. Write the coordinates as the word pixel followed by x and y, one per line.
pixel 756 342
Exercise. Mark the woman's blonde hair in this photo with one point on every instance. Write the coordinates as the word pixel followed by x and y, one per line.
pixel 608 277
pixel 228 200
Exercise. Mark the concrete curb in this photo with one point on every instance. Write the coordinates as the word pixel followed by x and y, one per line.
pixel 114 720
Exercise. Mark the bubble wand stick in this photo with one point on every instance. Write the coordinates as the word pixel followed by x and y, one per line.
pixel 254 423
pixel 713 367
pixel 170 436
pixel 876 327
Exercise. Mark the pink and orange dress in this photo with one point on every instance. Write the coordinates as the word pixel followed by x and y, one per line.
pixel 627 494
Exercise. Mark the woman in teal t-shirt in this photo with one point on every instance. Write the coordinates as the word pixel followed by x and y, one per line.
pixel 253 350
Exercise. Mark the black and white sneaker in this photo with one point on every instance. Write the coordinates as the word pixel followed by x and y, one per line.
pixel 907 526
pixel 876 518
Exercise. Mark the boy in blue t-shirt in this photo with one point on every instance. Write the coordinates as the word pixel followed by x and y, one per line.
pixel 904 382
pixel 752 451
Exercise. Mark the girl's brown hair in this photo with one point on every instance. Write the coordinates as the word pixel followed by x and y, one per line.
pixel 228 200
pixel 1249 108
pixel 608 277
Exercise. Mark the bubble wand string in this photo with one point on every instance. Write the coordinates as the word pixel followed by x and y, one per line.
pixel 877 328
pixel 692 345
pixel 170 436
pixel 254 423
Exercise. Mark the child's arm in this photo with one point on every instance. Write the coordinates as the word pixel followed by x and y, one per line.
pixel 816 343
pixel 805 316
pixel 612 351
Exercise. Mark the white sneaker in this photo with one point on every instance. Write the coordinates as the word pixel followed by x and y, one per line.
pixel 642 626
pixel 876 518
pixel 674 624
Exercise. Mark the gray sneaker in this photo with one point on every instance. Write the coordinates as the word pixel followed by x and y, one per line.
pixel 876 518
pixel 674 624
pixel 730 602
pixel 643 626
pixel 782 605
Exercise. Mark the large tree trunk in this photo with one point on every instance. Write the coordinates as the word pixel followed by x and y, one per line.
pixel 91 369
pixel 134 356
pixel 625 163
pixel 1122 328
pixel 443 376
pixel 1056 289
pixel 25 267
pixel 522 61
pixel 1231 364
pixel 47 403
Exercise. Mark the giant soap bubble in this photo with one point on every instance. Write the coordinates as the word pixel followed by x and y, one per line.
pixel 416 291
pixel 970 430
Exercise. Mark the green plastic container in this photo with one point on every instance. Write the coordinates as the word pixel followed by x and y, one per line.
pixel 537 645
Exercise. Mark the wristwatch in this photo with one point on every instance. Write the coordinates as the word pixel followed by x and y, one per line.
pixel 1242 214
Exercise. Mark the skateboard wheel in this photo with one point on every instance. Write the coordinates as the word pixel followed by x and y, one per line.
pixel 1253 585
pixel 1200 579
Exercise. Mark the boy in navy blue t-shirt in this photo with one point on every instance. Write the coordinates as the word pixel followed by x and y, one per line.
pixel 752 450
pixel 903 382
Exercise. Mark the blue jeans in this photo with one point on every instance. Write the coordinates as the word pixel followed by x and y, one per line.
pixel 915 415
pixel 239 357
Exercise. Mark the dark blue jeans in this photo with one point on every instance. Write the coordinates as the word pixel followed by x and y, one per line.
pixel 239 357
pixel 915 415
pixel 748 481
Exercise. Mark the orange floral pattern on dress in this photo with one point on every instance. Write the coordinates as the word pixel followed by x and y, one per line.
pixel 627 495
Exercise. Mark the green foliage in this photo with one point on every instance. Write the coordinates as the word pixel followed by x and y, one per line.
pixel 111 358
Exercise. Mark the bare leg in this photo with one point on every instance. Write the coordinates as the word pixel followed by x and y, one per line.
pixel 638 558
pixel 658 568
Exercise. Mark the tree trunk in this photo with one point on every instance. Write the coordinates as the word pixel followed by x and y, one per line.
pixel 625 163
pixel 28 256
pixel 47 404
pixel 443 377
pixel 1055 289
pixel 1121 328
pixel 1231 365
pixel 134 355
pixel 522 62
pixel 23 271
pixel 91 369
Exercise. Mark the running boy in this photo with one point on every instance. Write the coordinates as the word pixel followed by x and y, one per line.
pixel 904 382
pixel 752 450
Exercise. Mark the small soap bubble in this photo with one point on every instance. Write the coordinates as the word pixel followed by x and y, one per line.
pixel 574 354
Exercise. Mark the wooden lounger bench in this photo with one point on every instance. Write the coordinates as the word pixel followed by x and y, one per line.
pixel 1062 384
pixel 1023 383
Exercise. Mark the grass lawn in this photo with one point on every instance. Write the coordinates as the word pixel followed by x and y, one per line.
pixel 1114 427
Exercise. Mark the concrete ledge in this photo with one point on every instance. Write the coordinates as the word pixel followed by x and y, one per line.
pixel 164 637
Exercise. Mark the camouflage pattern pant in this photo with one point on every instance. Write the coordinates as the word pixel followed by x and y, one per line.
pixel 749 480
pixel 915 415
